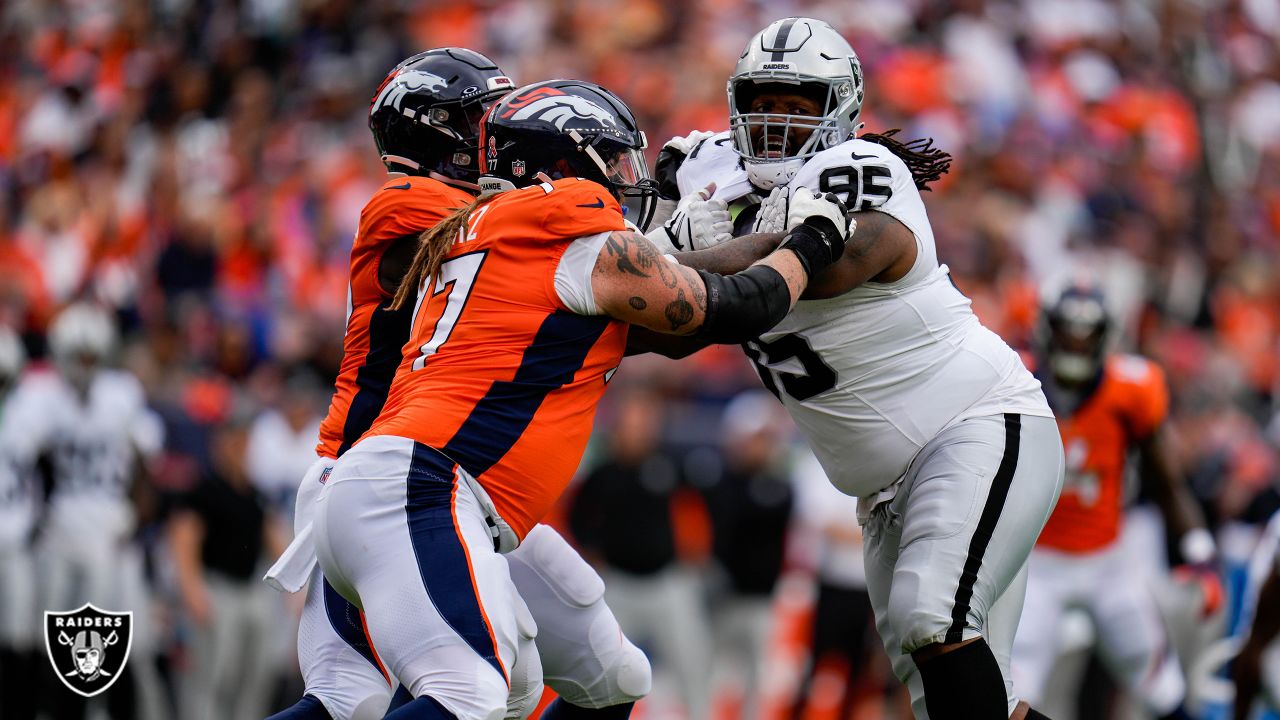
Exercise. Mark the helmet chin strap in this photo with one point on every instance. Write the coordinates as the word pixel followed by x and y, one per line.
pixel 590 151
pixel 460 184
pixel 400 160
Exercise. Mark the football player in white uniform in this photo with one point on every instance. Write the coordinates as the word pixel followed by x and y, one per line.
pixel 93 424
pixel 910 404
pixel 18 617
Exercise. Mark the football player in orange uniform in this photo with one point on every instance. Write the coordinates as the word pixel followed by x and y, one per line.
pixel 521 304
pixel 425 121
pixel 1106 405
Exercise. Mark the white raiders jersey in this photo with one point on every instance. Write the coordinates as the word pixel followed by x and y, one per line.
pixel 92 443
pixel 874 374
pixel 714 160
pixel 17 481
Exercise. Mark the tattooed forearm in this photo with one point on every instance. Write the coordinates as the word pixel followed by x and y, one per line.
pixel 633 282
pixel 679 312
pixel 880 249
pixel 871 226
pixel 733 256
pixel 618 245
pixel 640 259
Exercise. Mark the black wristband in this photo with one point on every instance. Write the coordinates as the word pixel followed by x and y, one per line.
pixel 814 242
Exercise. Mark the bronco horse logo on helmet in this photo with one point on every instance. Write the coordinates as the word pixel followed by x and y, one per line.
pixel 398 86
pixel 559 108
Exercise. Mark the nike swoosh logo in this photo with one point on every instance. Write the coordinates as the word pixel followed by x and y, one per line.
pixel 405 186
pixel 856 156
pixel 597 204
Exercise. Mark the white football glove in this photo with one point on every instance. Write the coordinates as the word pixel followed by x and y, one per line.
pixel 806 203
pixel 685 145
pixel 699 223
pixel 772 215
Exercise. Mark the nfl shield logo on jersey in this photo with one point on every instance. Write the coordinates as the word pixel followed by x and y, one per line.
pixel 517 168
pixel 88 647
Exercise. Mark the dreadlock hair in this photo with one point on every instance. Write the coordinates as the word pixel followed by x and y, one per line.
pixel 433 247
pixel 925 162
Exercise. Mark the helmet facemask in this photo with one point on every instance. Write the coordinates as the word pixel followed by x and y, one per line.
pixel 627 174
pixel 770 136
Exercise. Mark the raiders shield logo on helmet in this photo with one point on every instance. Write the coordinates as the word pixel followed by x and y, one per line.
pixel 88 647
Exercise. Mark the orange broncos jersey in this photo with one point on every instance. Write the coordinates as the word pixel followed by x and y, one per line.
pixel 499 375
pixel 376 335
pixel 1130 402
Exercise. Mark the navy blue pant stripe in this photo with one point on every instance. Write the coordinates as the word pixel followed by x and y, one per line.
pixel 388 332
pixel 500 418
pixel 442 559
pixel 345 620
pixel 986 526
pixel 308 708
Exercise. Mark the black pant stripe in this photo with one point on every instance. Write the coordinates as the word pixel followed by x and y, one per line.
pixel 780 41
pixel 986 526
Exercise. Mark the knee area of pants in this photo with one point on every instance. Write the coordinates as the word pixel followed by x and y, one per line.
pixel 523 706
pixel 918 628
pixel 371 708
pixel 482 701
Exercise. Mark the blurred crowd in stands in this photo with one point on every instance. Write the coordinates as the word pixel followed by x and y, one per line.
pixel 198 167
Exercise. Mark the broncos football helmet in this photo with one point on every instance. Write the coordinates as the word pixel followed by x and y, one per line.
pixel 805 57
pixel 1074 332
pixel 425 116
pixel 568 128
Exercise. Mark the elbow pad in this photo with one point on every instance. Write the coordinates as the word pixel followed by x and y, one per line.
pixel 742 306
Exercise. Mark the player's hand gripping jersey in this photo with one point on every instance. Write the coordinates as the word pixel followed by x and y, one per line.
pixel 501 375
pixel 1129 403
pixel 873 374
pixel 404 207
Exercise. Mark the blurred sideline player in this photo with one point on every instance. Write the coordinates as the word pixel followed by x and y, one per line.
pixel 842 613
pixel 1107 404
pixel 1256 669
pixel 424 118
pixel 93 423
pixel 19 619
pixel 521 312
pixel 908 402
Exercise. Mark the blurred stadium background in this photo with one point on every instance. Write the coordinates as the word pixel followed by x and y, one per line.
pixel 197 167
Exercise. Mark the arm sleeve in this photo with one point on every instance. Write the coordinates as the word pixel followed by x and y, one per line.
pixel 742 306
pixel 573 274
